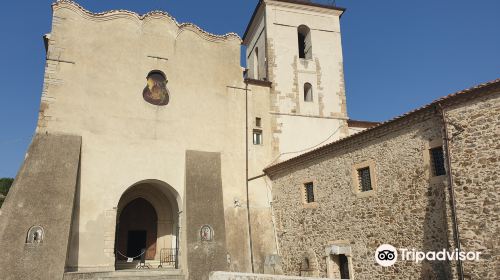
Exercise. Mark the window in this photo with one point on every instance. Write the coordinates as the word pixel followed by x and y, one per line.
pixel 308 92
pixel 258 122
pixel 364 178
pixel 305 45
pixel 437 161
pixel 365 181
pixel 257 137
pixel 309 191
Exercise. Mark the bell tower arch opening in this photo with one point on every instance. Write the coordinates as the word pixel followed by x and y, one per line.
pixel 147 226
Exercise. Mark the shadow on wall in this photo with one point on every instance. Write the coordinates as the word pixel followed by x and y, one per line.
pixel 435 232
pixel 74 238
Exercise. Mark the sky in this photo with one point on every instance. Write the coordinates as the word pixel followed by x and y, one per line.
pixel 398 54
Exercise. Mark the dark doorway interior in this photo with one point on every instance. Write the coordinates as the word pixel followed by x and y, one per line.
pixel 344 267
pixel 137 229
pixel 136 241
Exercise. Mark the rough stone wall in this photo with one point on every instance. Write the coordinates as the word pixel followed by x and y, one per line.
pixel 407 208
pixel 247 276
pixel 474 129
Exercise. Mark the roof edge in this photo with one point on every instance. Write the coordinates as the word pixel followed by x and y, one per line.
pixel 299 2
pixel 446 101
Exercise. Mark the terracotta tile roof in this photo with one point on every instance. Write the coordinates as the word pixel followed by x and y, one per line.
pixel 453 98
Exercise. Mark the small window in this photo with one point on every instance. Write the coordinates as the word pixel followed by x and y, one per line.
pixel 437 161
pixel 257 137
pixel 365 181
pixel 305 45
pixel 309 191
pixel 308 92
pixel 258 122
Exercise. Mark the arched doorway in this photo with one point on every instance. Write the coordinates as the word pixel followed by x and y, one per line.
pixel 147 218
pixel 137 230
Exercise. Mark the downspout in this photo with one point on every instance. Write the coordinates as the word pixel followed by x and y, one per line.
pixel 246 178
pixel 452 191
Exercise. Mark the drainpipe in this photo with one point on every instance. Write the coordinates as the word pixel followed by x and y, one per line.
pixel 246 178
pixel 452 191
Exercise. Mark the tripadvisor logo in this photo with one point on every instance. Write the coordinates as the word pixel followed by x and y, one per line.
pixel 386 255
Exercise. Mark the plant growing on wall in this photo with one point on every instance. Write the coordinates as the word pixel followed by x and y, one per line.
pixel 5 184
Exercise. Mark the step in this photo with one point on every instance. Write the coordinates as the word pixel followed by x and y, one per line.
pixel 129 274
pixel 153 264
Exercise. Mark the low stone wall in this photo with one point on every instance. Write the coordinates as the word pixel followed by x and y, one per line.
pixel 218 275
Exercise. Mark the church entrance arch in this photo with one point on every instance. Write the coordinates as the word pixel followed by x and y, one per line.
pixel 147 225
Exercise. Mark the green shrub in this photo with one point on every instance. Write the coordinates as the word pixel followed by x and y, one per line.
pixel 5 184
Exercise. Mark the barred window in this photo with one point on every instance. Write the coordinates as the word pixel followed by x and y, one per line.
pixel 365 181
pixel 309 190
pixel 437 161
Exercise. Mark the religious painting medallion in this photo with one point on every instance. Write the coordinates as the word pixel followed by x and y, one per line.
pixel 156 91
pixel 206 233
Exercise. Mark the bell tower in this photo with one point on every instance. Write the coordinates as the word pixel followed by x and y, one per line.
pixel 296 45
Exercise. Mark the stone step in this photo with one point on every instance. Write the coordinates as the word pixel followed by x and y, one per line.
pixel 131 274
pixel 121 265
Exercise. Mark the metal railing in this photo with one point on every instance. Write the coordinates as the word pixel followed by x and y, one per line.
pixel 169 257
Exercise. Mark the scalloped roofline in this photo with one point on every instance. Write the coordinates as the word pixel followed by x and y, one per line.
pixel 187 25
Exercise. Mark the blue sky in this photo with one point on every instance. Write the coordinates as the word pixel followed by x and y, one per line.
pixel 398 54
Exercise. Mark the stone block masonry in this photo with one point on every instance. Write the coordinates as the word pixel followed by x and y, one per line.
pixel 247 276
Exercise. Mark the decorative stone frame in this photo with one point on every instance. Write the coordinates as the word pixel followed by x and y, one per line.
pixel 309 266
pixel 303 194
pixel 35 235
pixel 340 247
pixel 431 144
pixel 206 233
pixel 356 189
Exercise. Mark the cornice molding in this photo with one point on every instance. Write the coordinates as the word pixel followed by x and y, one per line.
pixel 310 7
pixel 116 14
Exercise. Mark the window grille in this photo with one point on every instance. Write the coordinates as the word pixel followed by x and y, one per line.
pixel 365 181
pixel 437 157
pixel 309 188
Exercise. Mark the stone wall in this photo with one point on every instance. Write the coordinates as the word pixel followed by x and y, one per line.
pixel 406 209
pixel 247 276
pixel 474 129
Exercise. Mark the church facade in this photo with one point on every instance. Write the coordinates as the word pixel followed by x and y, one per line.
pixel 151 139
pixel 157 155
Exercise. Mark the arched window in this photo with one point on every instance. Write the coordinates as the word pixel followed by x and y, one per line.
pixel 256 63
pixel 305 44
pixel 308 92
